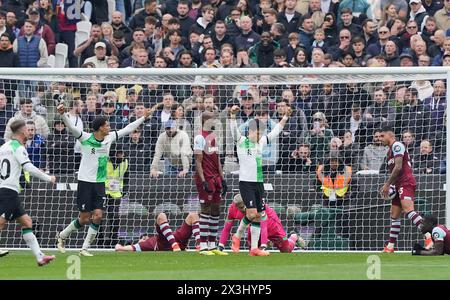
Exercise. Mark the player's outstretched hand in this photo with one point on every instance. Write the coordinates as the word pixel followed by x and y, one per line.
pixel 224 188
pixel 53 179
pixel 61 109
pixel 206 187
pixel 417 249
pixel 154 174
pixel 234 110
pixel 288 112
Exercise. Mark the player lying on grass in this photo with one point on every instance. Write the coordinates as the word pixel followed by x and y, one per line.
pixel 166 240
pixel 14 158
pixel 440 235
pixel 271 229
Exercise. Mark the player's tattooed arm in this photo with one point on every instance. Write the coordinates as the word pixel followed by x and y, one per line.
pixel 398 163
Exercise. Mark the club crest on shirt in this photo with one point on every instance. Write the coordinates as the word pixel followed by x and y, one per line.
pixel 397 148
pixel 436 235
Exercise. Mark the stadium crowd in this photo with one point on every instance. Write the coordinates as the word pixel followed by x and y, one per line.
pixel 225 34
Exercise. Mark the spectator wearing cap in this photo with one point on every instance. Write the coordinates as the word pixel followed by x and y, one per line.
pixel 5 29
pixel 290 18
pixel 119 26
pixel 42 30
pixel 109 111
pixel 175 146
pixel 347 22
pixel 100 58
pixel 319 136
pixel 306 31
pixel 442 16
pixel 26 113
pixel 8 59
pixel 150 10
pixel 418 13
pixel 406 59
pixel 31 49
pixel 248 37
pixel 262 53
pixel 87 48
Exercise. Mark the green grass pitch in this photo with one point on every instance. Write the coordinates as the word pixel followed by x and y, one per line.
pixel 190 265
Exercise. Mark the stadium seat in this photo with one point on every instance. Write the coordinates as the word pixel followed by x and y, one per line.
pixel 51 60
pixel 83 32
pixel 61 51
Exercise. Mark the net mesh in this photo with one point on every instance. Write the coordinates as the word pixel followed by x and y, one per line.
pixel 334 115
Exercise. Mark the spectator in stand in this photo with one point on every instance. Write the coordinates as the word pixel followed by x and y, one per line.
pixel 186 22
pixel 299 161
pixel 279 34
pixel 306 32
pixel 26 113
pixel 118 25
pixel 31 49
pixel 350 150
pixel 409 139
pixel 100 58
pixel 319 136
pixel 426 162
pixel 175 146
pixel 435 106
pixel 248 37
pixel 262 53
pixel 343 46
pixel 369 31
pixel 378 47
pixel 290 18
pixel 391 55
pixel 437 60
pixel 374 154
pixel 60 145
pixel 150 10
pixel 347 22
pixel 220 36
pixel 205 24
pixel 5 29
pixel 379 114
pixel 306 101
pixel 442 16
pixel 137 152
pixel 109 111
pixel 418 13
pixel 300 58
pixel 6 113
pixel 87 48
pixel 42 30
pixel 318 58
pixel 35 146
pixel 411 116
pixel 91 110
pixel 8 59
pixel 179 117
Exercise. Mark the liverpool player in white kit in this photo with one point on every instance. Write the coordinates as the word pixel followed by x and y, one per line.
pixel 14 158
pixel 251 180
pixel 92 174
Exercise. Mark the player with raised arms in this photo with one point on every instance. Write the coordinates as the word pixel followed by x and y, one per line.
pixel 251 179
pixel 92 174
pixel 211 185
pixel 401 176
pixel 271 228
pixel 440 235
pixel 166 240
pixel 13 159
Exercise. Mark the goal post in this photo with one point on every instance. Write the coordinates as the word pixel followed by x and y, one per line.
pixel 336 115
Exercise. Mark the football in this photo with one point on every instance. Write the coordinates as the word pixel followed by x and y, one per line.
pixel 392 192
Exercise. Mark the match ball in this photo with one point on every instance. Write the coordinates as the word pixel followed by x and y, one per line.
pixel 392 192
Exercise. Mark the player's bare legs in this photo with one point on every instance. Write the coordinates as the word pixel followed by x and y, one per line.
pixel 192 219
pixel 97 216
pixel 163 224
pixel 83 219
pixel 253 217
pixel 32 243
pixel 2 225
pixel 416 218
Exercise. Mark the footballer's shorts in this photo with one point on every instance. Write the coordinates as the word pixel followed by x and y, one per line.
pixel 181 235
pixel 215 185
pixel 90 196
pixel 404 192
pixel 10 206
pixel 253 194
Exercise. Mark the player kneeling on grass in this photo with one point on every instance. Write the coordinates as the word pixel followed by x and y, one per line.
pixel 440 235
pixel 271 228
pixel 14 158
pixel 251 179
pixel 166 240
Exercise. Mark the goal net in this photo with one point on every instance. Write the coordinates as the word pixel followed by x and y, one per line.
pixel 322 175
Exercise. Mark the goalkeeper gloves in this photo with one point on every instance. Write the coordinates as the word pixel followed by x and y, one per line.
pixel 206 187
pixel 417 249
pixel 224 188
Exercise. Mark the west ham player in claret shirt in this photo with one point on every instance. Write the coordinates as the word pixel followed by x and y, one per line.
pixel 211 185
pixel 440 235
pixel 401 176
